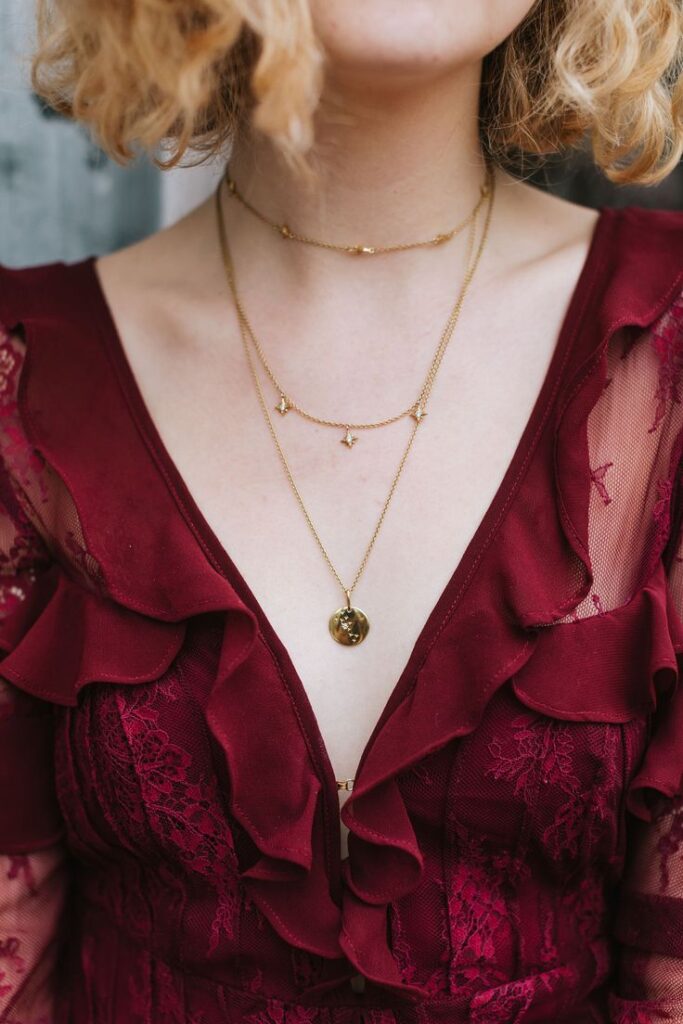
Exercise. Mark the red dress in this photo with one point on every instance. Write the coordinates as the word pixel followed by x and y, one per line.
pixel 169 820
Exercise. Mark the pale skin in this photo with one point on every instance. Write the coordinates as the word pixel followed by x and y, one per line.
pixel 400 160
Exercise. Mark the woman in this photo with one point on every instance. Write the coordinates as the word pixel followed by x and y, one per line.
pixel 231 607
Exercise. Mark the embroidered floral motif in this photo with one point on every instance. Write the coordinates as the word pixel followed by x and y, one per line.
pixel 403 950
pixel 9 364
pixel 34 494
pixel 480 915
pixel 661 514
pixel 670 844
pixel 277 1012
pixel 160 792
pixel 17 957
pixel 586 903
pixel 543 751
pixel 602 818
pixel 543 755
pixel 4 989
pixel 477 909
pixel 180 804
pixel 548 955
pixel 598 477
pixel 22 460
pixel 82 559
pixel 502 1007
pixel 20 866
pixel 625 1012
pixel 667 341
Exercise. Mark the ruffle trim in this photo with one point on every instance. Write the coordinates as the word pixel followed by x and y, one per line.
pixel 103 641
pixel 502 635
pixel 100 640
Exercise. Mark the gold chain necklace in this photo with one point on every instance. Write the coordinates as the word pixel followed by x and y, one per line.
pixel 418 409
pixel 284 231
pixel 349 625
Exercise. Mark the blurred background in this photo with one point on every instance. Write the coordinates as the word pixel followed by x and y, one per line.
pixel 62 199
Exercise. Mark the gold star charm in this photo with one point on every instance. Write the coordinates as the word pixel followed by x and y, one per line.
pixel 350 439
pixel 283 405
pixel 418 413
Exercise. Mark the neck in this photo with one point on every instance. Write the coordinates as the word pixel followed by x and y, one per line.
pixel 391 167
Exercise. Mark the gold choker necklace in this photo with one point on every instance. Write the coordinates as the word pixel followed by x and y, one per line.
pixel 284 231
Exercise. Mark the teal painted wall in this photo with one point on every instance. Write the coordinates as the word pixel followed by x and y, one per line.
pixel 60 197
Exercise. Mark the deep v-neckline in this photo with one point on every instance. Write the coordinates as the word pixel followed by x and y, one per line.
pixel 487 529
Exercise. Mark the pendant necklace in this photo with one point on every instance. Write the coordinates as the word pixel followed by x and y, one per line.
pixel 348 624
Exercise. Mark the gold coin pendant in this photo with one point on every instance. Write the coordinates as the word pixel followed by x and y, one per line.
pixel 349 626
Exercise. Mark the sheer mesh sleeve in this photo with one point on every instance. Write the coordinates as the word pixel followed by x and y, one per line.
pixel 33 861
pixel 649 917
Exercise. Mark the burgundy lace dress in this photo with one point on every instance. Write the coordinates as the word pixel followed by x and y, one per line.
pixel 516 830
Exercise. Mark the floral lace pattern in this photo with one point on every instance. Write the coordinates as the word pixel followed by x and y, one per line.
pixel 181 805
pixel 670 843
pixel 668 345
pixel 543 754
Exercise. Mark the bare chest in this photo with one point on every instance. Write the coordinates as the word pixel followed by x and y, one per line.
pixel 209 419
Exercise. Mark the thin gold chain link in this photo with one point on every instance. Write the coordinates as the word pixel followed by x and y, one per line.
pixel 293 405
pixel 355 250
pixel 245 329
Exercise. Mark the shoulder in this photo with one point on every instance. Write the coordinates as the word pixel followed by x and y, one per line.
pixel 646 242
pixel 57 387
pixel 634 259
pixel 639 259
pixel 635 233
pixel 47 292
pixel 626 265
pixel 661 228
pixel 628 260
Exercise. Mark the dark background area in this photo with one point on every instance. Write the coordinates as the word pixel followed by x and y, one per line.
pixel 576 178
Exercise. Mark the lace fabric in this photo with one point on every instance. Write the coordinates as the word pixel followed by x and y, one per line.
pixel 33 891
pixel 33 880
pixel 516 846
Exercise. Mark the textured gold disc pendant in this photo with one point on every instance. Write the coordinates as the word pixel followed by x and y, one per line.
pixel 349 626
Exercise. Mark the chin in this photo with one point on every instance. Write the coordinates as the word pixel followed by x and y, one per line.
pixel 400 40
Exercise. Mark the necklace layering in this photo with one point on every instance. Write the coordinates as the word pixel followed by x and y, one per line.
pixel 349 625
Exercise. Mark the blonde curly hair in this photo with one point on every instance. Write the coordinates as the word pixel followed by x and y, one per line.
pixel 194 73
